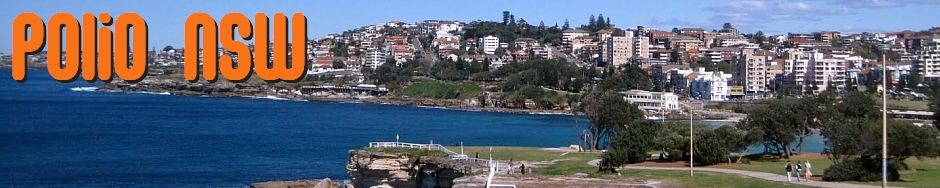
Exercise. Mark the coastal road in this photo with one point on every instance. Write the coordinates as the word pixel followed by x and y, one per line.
pixel 761 175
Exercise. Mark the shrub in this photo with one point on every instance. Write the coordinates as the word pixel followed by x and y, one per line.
pixel 858 170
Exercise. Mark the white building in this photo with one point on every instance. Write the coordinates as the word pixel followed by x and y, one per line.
pixel 489 44
pixel 374 58
pixel 927 60
pixel 806 69
pixel 647 100
pixel 568 35
pixel 712 86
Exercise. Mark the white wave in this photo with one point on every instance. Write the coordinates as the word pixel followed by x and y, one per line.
pixel 548 113
pixel 274 98
pixel 434 107
pixel 84 89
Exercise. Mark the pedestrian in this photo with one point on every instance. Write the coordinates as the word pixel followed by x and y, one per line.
pixel 799 171
pixel 510 167
pixel 477 155
pixel 809 172
pixel 789 169
pixel 522 168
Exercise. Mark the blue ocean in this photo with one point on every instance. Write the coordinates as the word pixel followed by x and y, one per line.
pixel 56 135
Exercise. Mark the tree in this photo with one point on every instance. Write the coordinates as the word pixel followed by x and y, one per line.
pixel 607 23
pixel 168 48
pixel 733 139
pixel 506 18
pixel 759 37
pixel 337 64
pixel 512 19
pixel 914 79
pixel 709 147
pixel 676 30
pixel 592 23
pixel 933 103
pixel 630 146
pixel 609 114
pixel 541 25
pixel 775 126
pixel 726 26
pixel 674 56
pixel 600 22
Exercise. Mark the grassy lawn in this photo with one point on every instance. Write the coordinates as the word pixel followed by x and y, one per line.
pixel 408 151
pixel 575 162
pixel 925 172
pixel 442 90
pixel 913 105
pixel 705 179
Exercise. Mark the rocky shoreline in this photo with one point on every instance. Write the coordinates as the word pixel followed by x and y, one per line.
pixel 240 90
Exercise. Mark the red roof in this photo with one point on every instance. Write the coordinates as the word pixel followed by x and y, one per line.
pixel 323 62
pixel 691 75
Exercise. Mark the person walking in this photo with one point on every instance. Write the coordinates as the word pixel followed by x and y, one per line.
pixel 809 172
pixel 799 171
pixel 789 169
pixel 522 168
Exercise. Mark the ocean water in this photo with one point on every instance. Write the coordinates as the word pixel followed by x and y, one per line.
pixel 60 135
pixel 55 135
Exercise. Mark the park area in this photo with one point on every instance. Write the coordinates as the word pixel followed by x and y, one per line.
pixel 553 162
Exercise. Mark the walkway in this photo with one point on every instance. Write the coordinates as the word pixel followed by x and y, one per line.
pixel 761 175
pixel 453 155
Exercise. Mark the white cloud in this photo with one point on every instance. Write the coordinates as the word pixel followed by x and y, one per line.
pixel 748 13
pixel 757 14
pixel 884 3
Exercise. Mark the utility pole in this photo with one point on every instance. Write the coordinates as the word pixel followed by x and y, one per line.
pixel 884 121
pixel 691 140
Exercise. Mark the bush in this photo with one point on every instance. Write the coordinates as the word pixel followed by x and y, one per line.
pixel 858 170
pixel 709 148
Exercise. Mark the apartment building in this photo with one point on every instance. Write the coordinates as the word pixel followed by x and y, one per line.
pixel 751 71
pixel 927 61
pixel 697 33
pixel 684 43
pixel 568 35
pixel 827 36
pixel 374 58
pixel 814 68
pixel 619 50
pixel 489 44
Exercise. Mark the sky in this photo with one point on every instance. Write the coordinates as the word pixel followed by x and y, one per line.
pixel 165 18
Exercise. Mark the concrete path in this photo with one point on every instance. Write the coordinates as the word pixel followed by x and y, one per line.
pixel 761 175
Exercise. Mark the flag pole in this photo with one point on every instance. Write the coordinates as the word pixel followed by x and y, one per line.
pixel 691 141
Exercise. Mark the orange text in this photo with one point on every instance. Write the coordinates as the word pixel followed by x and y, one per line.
pixel 101 51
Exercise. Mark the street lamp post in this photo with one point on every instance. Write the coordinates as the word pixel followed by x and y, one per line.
pixel 691 141
pixel 884 121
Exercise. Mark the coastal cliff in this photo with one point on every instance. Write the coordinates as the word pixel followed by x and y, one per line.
pixel 402 169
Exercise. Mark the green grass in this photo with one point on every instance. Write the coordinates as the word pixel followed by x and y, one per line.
pixel 575 162
pixel 926 174
pixel 912 105
pixel 523 154
pixel 442 90
pixel 705 179
pixel 408 151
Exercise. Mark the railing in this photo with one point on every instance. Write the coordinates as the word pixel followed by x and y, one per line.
pixel 411 145
pixel 454 155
